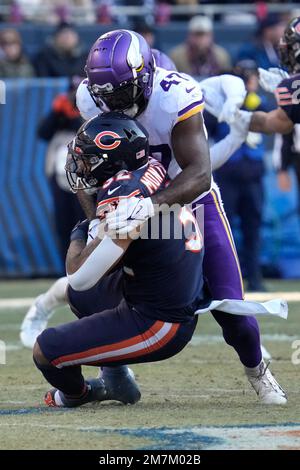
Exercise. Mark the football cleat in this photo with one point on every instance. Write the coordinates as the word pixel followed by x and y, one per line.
pixel 267 388
pixel 35 321
pixel 95 391
pixel 121 386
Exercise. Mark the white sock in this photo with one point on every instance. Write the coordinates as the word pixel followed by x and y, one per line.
pixel 55 296
pixel 255 371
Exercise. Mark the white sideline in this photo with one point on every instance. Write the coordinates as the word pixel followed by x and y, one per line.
pixel 25 302
pixel 213 339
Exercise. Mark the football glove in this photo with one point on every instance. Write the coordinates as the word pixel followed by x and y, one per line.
pixel 270 79
pixel 230 108
pixel 130 214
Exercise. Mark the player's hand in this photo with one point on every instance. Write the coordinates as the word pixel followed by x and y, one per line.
pixel 270 79
pixel 254 139
pixel 130 214
pixel 284 181
pixel 240 128
pixel 230 109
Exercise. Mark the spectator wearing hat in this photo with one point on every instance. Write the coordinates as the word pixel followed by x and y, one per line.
pixel 263 50
pixel 145 30
pixel 161 59
pixel 13 62
pixel 199 55
pixel 63 57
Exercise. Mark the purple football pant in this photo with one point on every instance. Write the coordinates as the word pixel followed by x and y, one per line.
pixel 224 280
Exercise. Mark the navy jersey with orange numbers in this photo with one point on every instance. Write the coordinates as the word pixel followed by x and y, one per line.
pixel 162 269
pixel 288 97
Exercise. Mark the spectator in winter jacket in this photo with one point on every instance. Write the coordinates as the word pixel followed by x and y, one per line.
pixel 63 56
pixel 13 62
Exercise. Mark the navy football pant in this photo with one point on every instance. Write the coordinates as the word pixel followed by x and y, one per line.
pixel 116 336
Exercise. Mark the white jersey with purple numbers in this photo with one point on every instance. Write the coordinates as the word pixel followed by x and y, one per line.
pixel 175 97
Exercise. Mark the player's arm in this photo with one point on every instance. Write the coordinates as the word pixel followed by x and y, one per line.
pixel 191 152
pixel 88 204
pixel 272 122
pixel 87 264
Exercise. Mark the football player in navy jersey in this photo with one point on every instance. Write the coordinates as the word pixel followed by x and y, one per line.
pixel 146 289
pixel 287 114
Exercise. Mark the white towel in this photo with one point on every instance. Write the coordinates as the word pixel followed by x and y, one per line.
pixel 277 307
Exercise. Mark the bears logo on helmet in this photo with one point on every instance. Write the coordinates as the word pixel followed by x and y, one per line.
pixel 99 140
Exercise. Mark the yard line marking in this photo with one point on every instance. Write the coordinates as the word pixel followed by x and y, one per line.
pixel 13 346
pixel 9 327
pixel 256 296
pixel 264 296
pixel 212 339
pixel 16 303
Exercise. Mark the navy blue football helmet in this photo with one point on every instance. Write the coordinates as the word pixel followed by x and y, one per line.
pixel 103 146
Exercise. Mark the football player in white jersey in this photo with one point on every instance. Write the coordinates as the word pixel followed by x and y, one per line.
pixel 122 77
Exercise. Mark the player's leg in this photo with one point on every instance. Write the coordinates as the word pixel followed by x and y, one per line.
pixel 40 312
pixel 112 337
pixel 67 212
pixel 240 332
pixel 119 380
pixel 44 306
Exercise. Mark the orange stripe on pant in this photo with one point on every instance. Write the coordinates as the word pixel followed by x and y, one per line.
pixel 150 333
pixel 146 350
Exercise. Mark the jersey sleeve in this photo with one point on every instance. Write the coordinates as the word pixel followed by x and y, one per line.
pixel 142 182
pixel 123 186
pixel 287 97
pixel 181 96
pixel 190 99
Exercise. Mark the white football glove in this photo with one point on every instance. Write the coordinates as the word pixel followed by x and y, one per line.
pixel 270 79
pixel 254 139
pixel 130 214
pixel 240 127
pixel 230 108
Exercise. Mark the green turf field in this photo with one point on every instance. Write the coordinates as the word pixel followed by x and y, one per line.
pixel 200 399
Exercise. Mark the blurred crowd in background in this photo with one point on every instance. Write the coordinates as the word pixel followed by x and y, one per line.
pixel 63 54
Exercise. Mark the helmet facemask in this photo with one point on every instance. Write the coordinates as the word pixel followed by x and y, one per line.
pixel 289 47
pixel 127 98
pixel 83 170
pixel 289 55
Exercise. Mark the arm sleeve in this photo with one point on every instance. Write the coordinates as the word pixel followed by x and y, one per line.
pixel 190 99
pixel 217 90
pixel 222 150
